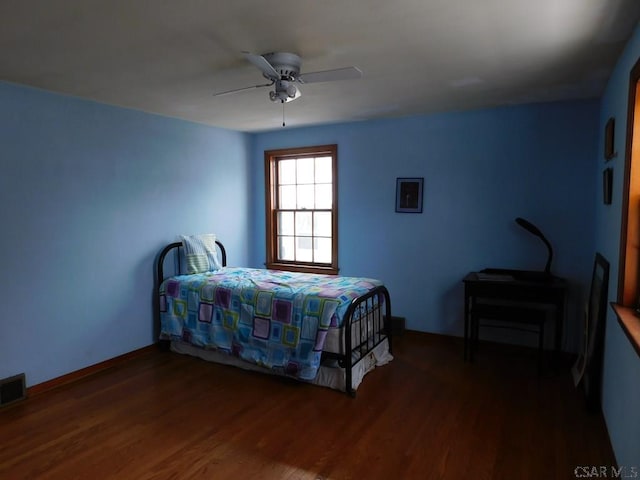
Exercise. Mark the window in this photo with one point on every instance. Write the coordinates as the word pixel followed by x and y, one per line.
pixel 302 209
pixel 629 262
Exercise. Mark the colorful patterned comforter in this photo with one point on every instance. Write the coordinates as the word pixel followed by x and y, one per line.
pixel 271 318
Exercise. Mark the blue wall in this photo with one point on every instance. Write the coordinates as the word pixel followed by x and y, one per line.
pixel 88 195
pixel 482 169
pixel 621 390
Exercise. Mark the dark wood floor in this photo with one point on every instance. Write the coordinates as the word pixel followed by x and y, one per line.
pixel 426 415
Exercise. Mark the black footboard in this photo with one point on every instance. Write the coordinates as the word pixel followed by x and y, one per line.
pixel 368 317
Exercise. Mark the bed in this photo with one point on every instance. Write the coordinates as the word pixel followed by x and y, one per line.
pixel 324 329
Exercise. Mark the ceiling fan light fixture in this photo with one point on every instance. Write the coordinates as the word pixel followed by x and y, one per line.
pixel 284 92
pixel 281 96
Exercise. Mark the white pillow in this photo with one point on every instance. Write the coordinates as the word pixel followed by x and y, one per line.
pixel 201 253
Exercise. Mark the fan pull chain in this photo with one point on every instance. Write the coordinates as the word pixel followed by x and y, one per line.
pixel 283 113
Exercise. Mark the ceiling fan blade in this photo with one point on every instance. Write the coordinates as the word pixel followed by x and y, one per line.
pixel 261 63
pixel 346 73
pixel 236 90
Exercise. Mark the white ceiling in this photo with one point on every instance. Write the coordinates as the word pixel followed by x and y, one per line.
pixel 417 56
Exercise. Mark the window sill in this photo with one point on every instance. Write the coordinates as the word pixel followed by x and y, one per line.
pixel 302 268
pixel 630 323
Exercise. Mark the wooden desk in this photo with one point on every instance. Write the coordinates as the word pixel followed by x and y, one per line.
pixel 519 286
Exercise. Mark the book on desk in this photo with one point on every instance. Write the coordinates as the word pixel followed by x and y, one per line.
pixel 494 277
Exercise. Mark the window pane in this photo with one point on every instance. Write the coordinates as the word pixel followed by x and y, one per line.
pixel 285 223
pixel 286 248
pixel 324 196
pixel 303 223
pixel 322 224
pixel 288 197
pixel 305 170
pixel 287 172
pixel 322 250
pixel 323 170
pixel 304 251
pixel 305 196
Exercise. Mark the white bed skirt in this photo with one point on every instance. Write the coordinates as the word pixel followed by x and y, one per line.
pixel 328 376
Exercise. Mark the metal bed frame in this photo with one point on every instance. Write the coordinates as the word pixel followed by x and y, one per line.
pixel 375 304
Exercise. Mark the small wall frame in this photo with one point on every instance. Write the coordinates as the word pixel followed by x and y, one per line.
pixel 607 185
pixel 609 139
pixel 409 193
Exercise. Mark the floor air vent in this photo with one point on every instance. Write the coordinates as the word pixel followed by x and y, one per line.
pixel 12 389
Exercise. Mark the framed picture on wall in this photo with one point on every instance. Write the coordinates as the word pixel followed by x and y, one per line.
pixel 607 185
pixel 409 194
pixel 609 139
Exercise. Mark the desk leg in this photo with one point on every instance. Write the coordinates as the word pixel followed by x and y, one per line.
pixel 466 324
pixel 560 319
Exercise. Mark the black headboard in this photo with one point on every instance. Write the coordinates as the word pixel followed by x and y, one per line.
pixel 177 246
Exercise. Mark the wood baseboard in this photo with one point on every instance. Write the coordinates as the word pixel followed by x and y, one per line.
pixel 90 370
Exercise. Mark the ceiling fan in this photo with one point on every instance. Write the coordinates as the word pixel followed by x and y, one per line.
pixel 283 71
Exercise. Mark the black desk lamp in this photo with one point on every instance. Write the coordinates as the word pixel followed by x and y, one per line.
pixel 531 228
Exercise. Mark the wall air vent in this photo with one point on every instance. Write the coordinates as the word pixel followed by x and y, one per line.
pixel 12 389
